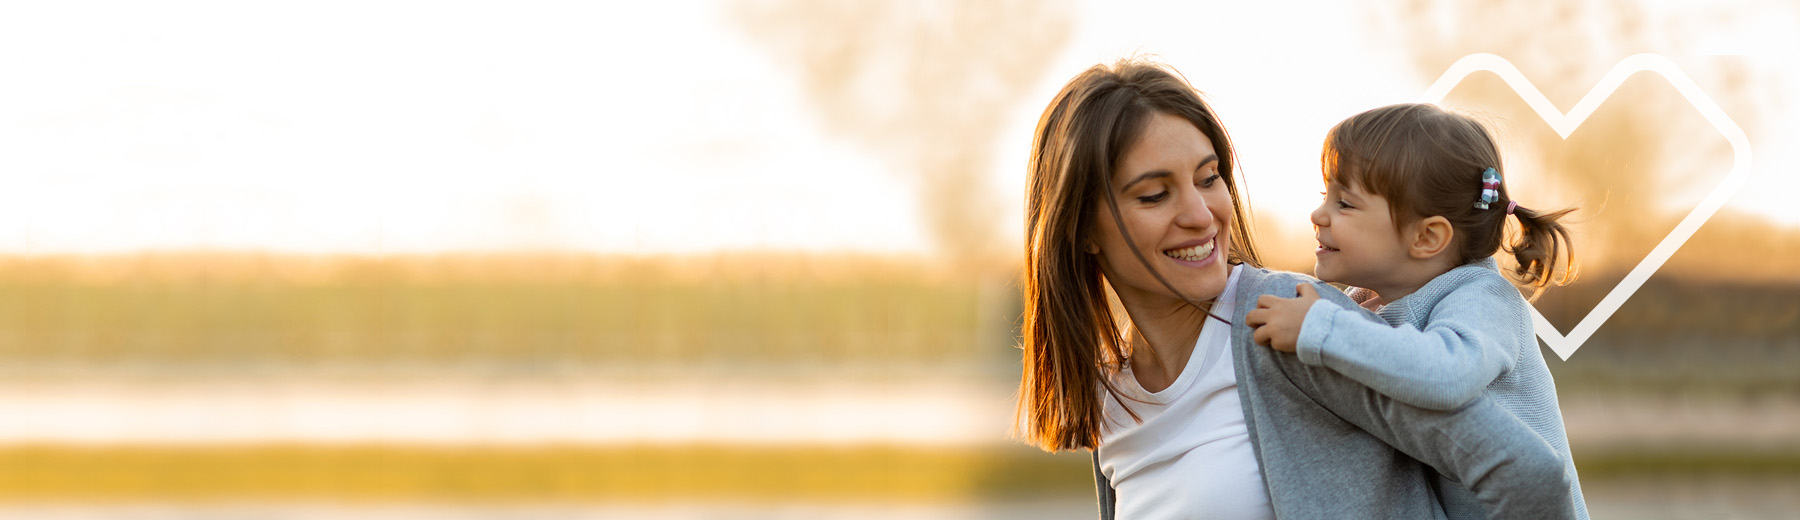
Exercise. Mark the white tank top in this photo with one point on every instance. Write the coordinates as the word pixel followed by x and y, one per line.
pixel 1191 457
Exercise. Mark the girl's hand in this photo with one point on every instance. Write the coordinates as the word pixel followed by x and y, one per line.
pixel 1277 320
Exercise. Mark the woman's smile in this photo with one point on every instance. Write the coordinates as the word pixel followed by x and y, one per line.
pixel 1199 253
pixel 1172 200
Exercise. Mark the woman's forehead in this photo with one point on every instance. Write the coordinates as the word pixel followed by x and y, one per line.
pixel 1166 142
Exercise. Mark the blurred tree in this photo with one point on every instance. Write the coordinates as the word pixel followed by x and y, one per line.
pixel 928 85
pixel 1638 165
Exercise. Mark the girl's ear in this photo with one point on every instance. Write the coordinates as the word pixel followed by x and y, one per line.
pixel 1430 237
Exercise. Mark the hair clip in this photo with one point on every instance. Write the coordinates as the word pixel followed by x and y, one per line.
pixel 1490 189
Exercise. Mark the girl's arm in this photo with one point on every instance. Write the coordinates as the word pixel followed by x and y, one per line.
pixel 1466 344
pixel 1511 470
pixel 1294 410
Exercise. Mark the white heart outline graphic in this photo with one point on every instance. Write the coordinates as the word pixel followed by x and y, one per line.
pixel 1564 124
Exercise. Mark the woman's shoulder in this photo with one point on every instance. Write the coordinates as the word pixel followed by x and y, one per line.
pixel 1266 281
pixel 1259 280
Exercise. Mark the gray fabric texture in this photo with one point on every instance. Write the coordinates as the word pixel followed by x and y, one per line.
pixel 1465 334
pixel 1330 447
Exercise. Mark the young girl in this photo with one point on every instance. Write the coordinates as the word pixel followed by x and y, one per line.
pixel 1415 207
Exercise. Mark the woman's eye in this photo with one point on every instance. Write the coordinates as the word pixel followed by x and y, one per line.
pixel 1209 181
pixel 1152 199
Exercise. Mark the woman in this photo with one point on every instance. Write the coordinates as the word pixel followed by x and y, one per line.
pixel 1132 189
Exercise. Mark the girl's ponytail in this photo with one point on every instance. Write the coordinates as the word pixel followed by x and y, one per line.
pixel 1541 239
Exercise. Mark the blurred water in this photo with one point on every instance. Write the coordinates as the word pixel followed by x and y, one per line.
pixel 922 411
pixel 1745 498
pixel 512 412
pixel 1694 497
pixel 1610 433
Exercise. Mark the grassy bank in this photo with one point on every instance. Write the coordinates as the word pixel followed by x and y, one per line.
pixel 572 312
pixel 550 473
pixel 505 313
pixel 646 473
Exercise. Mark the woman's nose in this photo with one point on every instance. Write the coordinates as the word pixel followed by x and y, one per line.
pixel 1195 212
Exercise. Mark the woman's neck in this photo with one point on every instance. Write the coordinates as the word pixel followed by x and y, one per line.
pixel 1162 340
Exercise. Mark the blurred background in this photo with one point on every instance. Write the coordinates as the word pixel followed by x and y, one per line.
pixel 758 259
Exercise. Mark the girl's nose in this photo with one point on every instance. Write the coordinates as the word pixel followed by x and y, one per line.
pixel 1319 216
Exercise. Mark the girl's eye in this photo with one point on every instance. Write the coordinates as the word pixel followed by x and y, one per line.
pixel 1345 205
pixel 1152 199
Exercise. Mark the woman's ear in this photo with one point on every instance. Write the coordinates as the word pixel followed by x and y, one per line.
pixel 1431 237
pixel 1091 248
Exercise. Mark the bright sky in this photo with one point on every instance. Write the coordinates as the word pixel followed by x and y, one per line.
pixel 403 127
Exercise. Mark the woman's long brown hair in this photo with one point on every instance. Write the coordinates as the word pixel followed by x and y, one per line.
pixel 1072 342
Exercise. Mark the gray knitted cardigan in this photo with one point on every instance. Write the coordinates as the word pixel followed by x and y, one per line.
pixel 1330 447
pixel 1465 334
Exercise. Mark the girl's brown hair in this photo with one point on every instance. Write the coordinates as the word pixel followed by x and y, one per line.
pixel 1427 161
pixel 1072 341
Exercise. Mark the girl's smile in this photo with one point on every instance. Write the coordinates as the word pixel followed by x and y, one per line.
pixel 1351 217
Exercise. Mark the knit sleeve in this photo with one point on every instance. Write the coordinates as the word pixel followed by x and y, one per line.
pixel 1462 349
